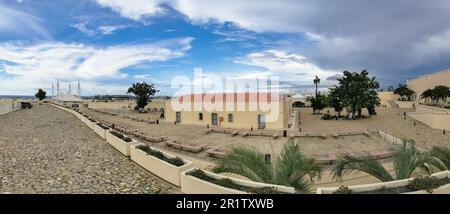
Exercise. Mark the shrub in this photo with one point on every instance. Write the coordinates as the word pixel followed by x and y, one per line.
pixel 127 139
pixel 343 190
pixel 227 182
pixel 102 126
pixel 327 117
pixel 117 134
pixel 176 161
pixel 427 183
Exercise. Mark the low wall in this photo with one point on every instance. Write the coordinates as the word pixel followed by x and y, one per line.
pixel 405 104
pixel 193 185
pixel 391 184
pixel 159 167
pixel 9 106
pixel 124 105
pixel 121 146
pixel 436 118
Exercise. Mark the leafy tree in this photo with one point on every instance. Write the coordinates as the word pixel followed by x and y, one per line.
pixel 316 83
pixel 318 103
pixel 335 100
pixel 292 167
pixel 144 93
pixel 357 91
pixel 406 159
pixel 41 94
pixel 404 91
pixel 427 94
pixel 441 92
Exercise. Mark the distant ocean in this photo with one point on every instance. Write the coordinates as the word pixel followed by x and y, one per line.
pixel 16 97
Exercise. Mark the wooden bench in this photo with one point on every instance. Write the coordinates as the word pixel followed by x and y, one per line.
pixel 328 160
pixel 188 148
pixel 214 152
pixel 275 136
pixel 335 135
pixel 234 133
pixel 245 134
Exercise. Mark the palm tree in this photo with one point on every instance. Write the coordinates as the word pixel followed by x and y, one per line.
pixel 292 168
pixel 316 82
pixel 442 157
pixel 407 159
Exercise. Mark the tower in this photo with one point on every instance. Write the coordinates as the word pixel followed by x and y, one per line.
pixel 79 89
pixel 53 89
pixel 57 87
pixel 70 88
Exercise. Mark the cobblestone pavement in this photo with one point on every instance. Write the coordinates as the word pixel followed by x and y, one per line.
pixel 46 150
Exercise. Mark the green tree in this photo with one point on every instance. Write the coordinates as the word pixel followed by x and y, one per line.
pixel 441 92
pixel 318 103
pixel 404 91
pixel 292 167
pixel 316 83
pixel 407 159
pixel 427 94
pixel 144 93
pixel 358 92
pixel 335 98
pixel 41 94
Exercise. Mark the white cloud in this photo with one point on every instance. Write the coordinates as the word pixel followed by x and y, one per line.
pixel 110 29
pixel 288 66
pixel 82 27
pixel 142 77
pixel 16 22
pixel 135 9
pixel 31 66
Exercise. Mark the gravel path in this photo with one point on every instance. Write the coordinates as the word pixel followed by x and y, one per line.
pixel 46 150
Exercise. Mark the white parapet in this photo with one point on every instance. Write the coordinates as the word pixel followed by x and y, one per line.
pixel 157 166
pixel 193 185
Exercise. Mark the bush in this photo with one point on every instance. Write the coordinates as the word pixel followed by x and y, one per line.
pixel 427 183
pixel 127 139
pixel 327 117
pixel 103 126
pixel 227 182
pixel 176 161
pixel 117 134
pixel 343 190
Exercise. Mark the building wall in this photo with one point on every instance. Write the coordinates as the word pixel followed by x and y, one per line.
pixel 387 96
pixel 241 119
pixel 423 83
pixel 436 118
pixel 119 105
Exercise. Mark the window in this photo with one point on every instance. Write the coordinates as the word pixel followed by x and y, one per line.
pixel 230 118
pixel 200 116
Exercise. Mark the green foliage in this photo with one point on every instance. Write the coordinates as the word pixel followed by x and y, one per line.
pixel 176 161
pixel 291 169
pixel 439 92
pixel 41 94
pixel 357 91
pixel 427 183
pixel 316 82
pixel 404 91
pixel 343 190
pixel 441 156
pixel 406 160
pixel 144 92
pixel 226 182
pixel 318 103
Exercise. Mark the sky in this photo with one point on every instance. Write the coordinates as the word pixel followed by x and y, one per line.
pixel 109 44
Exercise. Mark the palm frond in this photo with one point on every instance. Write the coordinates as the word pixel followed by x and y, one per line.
pixel 441 157
pixel 369 165
pixel 408 159
pixel 295 169
pixel 246 162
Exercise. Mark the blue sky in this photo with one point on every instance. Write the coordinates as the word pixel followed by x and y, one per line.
pixel 108 44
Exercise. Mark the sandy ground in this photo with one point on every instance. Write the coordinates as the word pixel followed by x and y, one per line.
pixel 195 135
pixel 389 119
